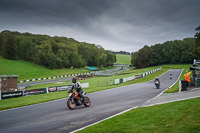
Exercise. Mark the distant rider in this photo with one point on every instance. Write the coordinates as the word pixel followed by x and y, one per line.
pixel 157 81
pixel 170 76
pixel 76 85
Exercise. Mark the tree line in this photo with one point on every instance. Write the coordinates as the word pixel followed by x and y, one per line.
pixel 53 52
pixel 170 52
pixel 123 52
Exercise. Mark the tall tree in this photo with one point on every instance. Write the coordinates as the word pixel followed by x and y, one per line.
pixel 196 49
pixel 10 49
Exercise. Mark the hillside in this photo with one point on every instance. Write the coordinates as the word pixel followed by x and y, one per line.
pixel 53 52
pixel 123 59
pixel 27 70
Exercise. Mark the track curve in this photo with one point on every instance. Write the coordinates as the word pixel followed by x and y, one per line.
pixel 54 116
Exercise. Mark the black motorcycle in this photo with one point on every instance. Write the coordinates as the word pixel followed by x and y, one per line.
pixel 157 84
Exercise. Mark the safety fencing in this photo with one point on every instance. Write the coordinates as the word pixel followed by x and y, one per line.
pixel 63 76
pixel 38 91
pixel 122 80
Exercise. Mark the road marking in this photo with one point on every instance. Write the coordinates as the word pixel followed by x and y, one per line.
pixel 170 101
pixel 125 110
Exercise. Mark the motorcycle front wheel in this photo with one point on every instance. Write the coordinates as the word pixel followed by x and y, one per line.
pixel 87 103
pixel 71 105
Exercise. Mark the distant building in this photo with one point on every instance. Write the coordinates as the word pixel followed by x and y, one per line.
pixel 8 83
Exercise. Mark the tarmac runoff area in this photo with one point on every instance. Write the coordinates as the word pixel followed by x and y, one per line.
pixel 172 97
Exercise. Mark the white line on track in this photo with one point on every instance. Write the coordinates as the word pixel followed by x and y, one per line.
pixel 104 119
pixel 131 108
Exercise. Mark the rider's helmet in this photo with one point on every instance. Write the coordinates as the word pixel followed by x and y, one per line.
pixel 74 80
pixel 156 78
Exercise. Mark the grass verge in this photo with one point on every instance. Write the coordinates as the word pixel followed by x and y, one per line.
pixel 176 117
pixel 27 70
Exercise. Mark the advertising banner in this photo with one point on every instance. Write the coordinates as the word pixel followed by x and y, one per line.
pixel 85 85
pixel 52 89
pixel 63 88
pixel 116 81
pixel 34 92
pixel 11 94
pixel 124 79
pixel 138 76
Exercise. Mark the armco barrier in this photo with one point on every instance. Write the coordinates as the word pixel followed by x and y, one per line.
pixel 70 75
pixel 38 91
pixel 118 81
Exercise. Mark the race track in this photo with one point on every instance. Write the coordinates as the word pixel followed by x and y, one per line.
pixel 56 117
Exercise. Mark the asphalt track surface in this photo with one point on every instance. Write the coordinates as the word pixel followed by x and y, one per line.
pixel 55 116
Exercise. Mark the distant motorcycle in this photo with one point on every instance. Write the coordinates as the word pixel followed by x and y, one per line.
pixel 157 84
pixel 170 76
pixel 75 100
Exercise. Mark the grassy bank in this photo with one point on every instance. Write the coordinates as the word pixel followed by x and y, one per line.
pixel 27 70
pixel 177 117
pixel 123 59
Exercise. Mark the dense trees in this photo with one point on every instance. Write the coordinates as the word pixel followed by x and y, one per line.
pixel 196 49
pixel 170 52
pixel 122 52
pixel 53 52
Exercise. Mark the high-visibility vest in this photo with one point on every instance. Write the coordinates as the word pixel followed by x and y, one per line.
pixel 187 76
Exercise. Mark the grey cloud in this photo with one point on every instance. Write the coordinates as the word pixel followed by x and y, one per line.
pixel 114 24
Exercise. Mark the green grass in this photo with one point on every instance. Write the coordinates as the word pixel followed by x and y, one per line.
pixel 29 100
pixel 123 59
pixel 176 117
pixel 100 83
pixel 95 84
pixel 27 70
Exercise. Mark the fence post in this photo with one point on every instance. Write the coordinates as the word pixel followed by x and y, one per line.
pixel 0 93
pixel 47 90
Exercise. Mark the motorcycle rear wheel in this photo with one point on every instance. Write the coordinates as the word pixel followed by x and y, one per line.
pixel 87 104
pixel 71 105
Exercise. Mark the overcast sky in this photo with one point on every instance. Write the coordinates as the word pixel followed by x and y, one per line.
pixel 114 24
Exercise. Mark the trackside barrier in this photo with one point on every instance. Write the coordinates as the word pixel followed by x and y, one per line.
pixel 85 85
pixel 11 94
pixel 38 91
pixel 118 81
pixel 70 75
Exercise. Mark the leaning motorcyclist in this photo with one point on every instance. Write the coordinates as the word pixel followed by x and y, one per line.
pixel 157 81
pixel 76 85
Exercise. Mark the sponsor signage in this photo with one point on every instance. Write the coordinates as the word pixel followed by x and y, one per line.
pixel 138 76
pixel 11 94
pixel 52 89
pixel 63 88
pixel 34 92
